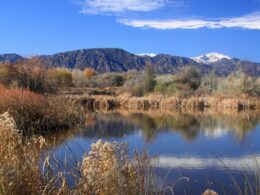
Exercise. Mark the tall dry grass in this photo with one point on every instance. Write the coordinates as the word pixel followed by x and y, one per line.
pixel 19 170
pixel 35 113
pixel 106 169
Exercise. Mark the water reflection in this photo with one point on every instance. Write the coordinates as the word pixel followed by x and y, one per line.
pixel 189 125
pixel 193 143
pixel 108 125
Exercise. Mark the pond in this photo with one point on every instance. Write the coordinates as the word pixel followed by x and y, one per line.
pixel 194 150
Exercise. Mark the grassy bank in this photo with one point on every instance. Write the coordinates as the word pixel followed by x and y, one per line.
pixel 35 113
pixel 161 102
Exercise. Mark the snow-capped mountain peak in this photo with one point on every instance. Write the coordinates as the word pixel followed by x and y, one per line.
pixel 147 54
pixel 210 58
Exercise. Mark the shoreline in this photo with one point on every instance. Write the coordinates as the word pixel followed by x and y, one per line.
pixel 160 102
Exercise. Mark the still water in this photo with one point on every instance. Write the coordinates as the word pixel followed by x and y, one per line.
pixel 194 150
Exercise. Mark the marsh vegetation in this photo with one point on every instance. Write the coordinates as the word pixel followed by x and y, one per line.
pixel 44 110
pixel 35 76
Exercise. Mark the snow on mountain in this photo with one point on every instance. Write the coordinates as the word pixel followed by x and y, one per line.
pixel 147 54
pixel 210 58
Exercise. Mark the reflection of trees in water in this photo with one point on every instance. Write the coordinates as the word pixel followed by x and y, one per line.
pixel 108 125
pixel 185 124
pixel 151 126
pixel 238 125
pixel 189 125
pixel 146 124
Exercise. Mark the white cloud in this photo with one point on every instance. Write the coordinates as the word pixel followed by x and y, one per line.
pixel 118 6
pixel 244 162
pixel 250 21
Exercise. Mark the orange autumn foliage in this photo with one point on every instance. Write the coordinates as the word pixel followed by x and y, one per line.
pixel 89 72
pixel 35 113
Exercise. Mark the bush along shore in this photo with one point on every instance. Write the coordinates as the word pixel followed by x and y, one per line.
pixel 37 114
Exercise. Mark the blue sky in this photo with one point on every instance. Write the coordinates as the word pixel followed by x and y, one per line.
pixel 178 27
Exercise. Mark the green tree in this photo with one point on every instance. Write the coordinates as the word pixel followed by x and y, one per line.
pixel 189 77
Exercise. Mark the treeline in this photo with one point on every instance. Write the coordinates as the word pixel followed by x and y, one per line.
pixel 34 76
pixel 190 82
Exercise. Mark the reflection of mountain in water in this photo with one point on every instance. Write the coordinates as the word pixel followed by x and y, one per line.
pixel 189 125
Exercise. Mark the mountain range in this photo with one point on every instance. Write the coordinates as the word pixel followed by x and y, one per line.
pixel 10 58
pixel 119 60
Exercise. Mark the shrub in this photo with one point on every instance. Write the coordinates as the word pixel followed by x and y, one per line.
pixel 238 83
pixel 99 81
pixel 32 75
pixel 134 86
pixel 118 80
pixel 110 79
pixel 85 78
pixel 189 82
pixel 149 81
pixel 78 78
pixel 132 74
pixel 246 84
pixel 60 77
pixel 139 84
pixel 89 72
pixel 34 113
pixel 165 88
pixel 28 74
pixel 209 84
pixel 7 74
pixel 188 78
pixel 181 84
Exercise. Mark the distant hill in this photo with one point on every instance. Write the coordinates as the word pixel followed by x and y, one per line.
pixel 10 58
pixel 118 60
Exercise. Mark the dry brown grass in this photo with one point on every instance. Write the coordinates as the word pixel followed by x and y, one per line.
pixel 106 169
pixel 161 102
pixel 34 113
pixel 19 170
